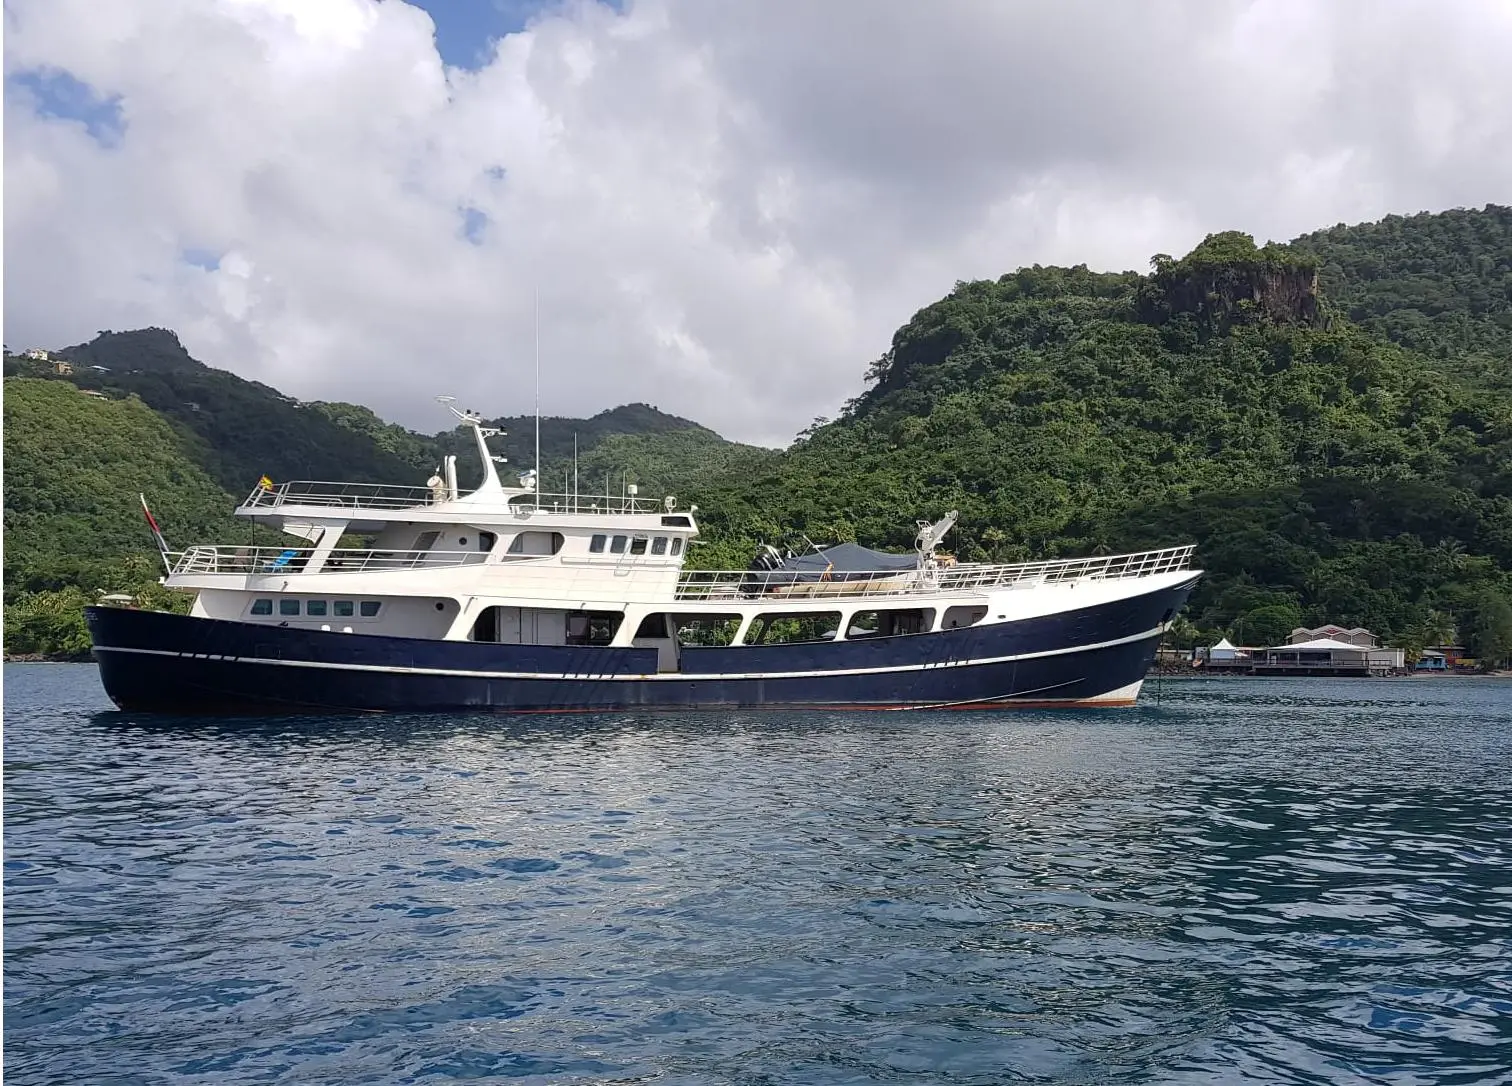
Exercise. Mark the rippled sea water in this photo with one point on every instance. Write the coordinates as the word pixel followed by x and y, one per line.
pixel 1255 881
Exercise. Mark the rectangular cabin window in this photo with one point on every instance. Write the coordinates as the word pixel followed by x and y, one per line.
pixel 369 608
pixel 592 627
pixel 956 617
pixel 342 608
pixel 793 628
pixel 536 543
pixel 617 545
pixel 659 545
pixel 596 544
pixel 288 607
pixel 638 545
pixel 315 608
pixel 262 607
pixel 676 547
pixel 652 626
pixel 486 541
pixel 706 630
pixel 889 622
pixel 426 540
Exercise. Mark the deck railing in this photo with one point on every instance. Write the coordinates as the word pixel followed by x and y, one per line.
pixel 935 579
pixel 561 580
pixel 343 495
pixel 384 496
pixel 287 560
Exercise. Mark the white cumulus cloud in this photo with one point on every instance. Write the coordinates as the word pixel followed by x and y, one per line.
pixel 726 209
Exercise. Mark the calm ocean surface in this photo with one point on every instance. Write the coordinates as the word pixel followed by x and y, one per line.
pixel 1255 881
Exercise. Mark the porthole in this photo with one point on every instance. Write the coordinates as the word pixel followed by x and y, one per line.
pixel 440 606
pixel 462 541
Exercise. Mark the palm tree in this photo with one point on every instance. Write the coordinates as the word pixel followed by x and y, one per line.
pixel 1437 630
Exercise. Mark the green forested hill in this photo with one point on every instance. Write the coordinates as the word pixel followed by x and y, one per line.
pixel 1439 284
pixel 1330 421
pixel 239 429
pixel 73 528
pixel 1327 473
pixel 651 439
pixel 684 463
pixel 74 466
pixel 633 442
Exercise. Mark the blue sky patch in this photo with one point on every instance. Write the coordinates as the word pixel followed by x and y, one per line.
pixel 208 259
pixel 59 94
pixel 465 28
pixel 474 223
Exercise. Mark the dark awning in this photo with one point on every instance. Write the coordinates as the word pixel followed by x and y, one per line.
pixel 837 562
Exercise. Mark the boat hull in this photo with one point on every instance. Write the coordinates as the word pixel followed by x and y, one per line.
pixel 158 662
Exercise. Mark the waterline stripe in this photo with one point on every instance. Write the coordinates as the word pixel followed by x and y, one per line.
pixel 460 673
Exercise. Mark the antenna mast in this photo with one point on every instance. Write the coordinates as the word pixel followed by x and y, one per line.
pixel 538 394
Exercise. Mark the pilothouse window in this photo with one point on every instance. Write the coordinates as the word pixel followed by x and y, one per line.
pixel 596 544
pixel 659 545
pixel 288 607
pixel 638 545
pixel 676 547
pixel 617 545
pixel 262 607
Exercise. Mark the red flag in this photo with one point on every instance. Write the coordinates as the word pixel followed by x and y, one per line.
pixel 151 523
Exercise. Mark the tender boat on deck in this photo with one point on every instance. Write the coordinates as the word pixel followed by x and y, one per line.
pixel 506 599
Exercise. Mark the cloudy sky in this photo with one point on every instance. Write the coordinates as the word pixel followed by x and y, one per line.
pixel 725 208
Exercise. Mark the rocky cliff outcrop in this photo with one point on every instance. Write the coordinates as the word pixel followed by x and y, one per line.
pixel 1227 280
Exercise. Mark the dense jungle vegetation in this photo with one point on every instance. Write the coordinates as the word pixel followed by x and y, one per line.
pixel 1330 420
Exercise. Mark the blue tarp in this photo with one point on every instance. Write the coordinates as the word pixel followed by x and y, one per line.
pixel 837 563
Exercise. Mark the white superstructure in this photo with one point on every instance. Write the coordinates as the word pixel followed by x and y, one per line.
pixel 510 565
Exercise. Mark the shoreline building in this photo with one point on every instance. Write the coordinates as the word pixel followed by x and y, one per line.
pixel 1330 652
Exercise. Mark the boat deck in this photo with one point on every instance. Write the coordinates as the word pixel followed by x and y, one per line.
pixel 694 585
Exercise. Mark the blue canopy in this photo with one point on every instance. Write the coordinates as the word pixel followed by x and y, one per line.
pixel 846 558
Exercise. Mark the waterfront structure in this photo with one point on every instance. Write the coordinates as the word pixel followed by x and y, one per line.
pixel 508 599
pixel 1325 656
pixel 1431 660
pixel 1357 636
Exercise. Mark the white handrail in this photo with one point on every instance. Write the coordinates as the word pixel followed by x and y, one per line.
pixel 545 575
pixel 294 560
pixel 387 496
pixel 346 495
pixel 933 579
